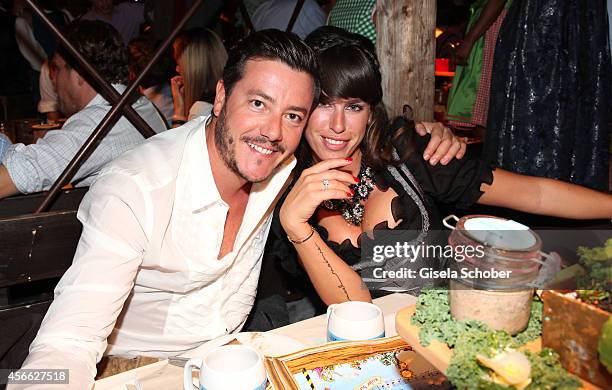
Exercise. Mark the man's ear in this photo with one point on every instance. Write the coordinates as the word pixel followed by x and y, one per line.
pixel 219 98
pixel 79 79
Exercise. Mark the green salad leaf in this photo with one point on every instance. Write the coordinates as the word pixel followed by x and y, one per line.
pixel 434 318
pixel 471 338
pixel 594 287
pixel 547 373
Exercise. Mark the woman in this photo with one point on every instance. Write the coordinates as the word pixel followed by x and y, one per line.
pixel 200 57
pixel 551 92
pixel 358 175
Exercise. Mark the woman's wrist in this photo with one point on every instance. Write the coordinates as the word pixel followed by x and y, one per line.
pixel 298 232
pixel 297 240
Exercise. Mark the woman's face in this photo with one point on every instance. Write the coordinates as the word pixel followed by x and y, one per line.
pixel 336 129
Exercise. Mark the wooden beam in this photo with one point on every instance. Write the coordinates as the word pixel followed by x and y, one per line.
pixel 406 48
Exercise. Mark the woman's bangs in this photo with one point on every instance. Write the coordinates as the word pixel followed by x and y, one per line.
pixel 348 74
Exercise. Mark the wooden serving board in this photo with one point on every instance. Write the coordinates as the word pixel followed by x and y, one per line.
pixel 438 353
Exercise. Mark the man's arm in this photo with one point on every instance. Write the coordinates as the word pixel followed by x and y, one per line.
pixel 91 294
pixel 488 15
pixel 35 167
pixel 443 145
pixel 7 187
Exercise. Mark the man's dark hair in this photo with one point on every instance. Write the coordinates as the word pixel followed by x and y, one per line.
pixel 273 45
pixel 101 45
pixel 140 52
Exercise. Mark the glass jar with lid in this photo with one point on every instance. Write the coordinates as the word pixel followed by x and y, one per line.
pixel 492 281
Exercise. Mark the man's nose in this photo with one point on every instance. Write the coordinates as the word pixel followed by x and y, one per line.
pixel 273 130
pixel 337 122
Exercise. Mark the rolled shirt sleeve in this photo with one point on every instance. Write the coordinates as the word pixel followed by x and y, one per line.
pixel 35 167
pixel 5 144
pixel 91 295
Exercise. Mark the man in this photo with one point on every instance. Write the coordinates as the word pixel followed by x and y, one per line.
pixel 32 168
pixel 277 13
pixel 126 17
pixel 356 16
pixel 174 230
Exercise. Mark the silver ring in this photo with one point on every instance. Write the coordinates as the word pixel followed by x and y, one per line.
pixel 325 184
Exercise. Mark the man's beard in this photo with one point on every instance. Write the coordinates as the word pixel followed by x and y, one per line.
pixel 224 143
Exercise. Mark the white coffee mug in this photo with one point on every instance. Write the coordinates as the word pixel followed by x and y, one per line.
pixel 236 367
pixel 354 320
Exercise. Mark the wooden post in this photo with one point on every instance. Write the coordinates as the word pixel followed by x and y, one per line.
pixel 406 48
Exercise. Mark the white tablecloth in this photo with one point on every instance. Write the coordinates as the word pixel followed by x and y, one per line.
pixel 310 332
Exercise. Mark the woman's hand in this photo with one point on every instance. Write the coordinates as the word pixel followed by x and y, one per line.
pixel 310 191
pixel 177 85
pixel 443 145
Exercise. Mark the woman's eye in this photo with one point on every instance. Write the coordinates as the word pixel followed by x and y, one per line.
pixel 355 107
pixel 325 106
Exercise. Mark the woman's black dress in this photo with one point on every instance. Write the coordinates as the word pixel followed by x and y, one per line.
pixel 550 112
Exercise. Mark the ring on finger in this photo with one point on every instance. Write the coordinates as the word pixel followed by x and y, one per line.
pixel 325 184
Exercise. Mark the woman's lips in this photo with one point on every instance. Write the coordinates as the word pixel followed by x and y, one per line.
pixel 334 144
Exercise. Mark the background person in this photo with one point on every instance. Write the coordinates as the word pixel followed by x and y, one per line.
pixel 155 86
pixel 277 14
pixel 35 167
pixel 551 92
pixel 200 57
pixel 126 17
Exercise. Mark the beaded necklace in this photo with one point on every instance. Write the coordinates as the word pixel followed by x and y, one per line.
pixel 352 209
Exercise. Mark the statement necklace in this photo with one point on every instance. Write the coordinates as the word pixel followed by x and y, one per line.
pixel 351 209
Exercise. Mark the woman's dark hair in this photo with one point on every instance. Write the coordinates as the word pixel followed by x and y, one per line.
pixel 274 45
pixel 101 45
pixel 350 69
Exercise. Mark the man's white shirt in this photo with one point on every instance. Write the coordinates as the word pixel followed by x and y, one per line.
pixel 153 225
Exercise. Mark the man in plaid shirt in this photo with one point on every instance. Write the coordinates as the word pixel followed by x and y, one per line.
pixel 33 168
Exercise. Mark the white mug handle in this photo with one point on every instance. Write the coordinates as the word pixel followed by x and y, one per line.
pixel 446 220
pixel 188 372
pixel 330 309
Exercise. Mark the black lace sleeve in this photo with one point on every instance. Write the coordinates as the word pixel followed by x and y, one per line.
pixel 457 183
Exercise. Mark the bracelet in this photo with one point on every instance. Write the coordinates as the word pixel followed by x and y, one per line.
pixel 297 242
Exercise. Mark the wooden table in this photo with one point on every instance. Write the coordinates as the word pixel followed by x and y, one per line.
pixel 28 130
pixel 311 332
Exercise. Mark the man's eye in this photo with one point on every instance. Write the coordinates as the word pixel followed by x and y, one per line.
pixel 257 103
pixel 294 117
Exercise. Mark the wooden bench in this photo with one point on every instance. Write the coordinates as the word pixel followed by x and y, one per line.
pixel 35 251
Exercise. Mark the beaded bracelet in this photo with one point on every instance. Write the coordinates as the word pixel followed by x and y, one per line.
pixel 297 242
